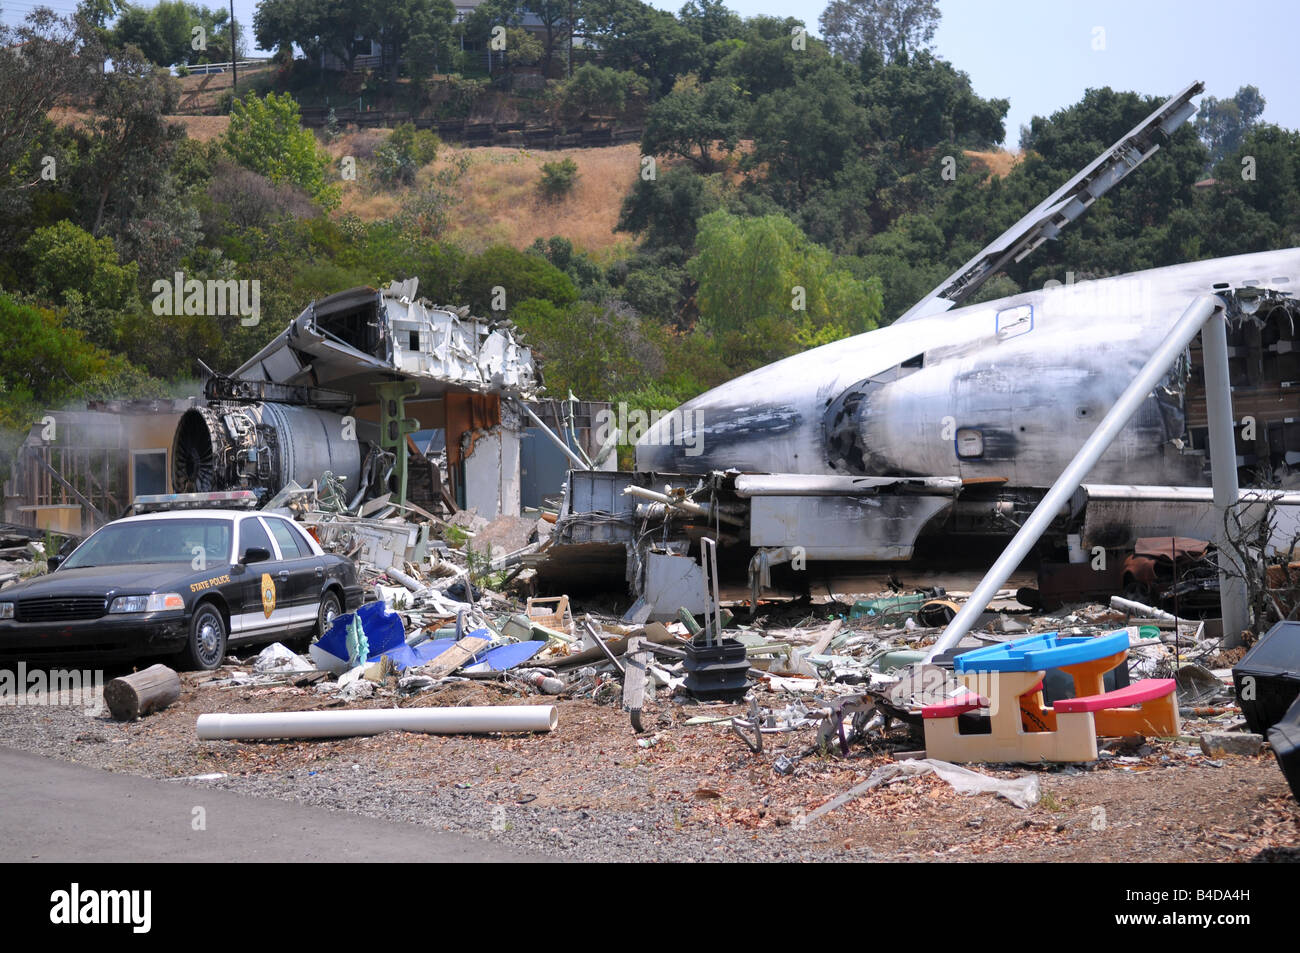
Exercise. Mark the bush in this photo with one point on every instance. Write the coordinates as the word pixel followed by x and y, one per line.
pixel 521 275
pixel 404 153
pixel 601 91
pixel 558 179
pixel 265 135
pixel 67 261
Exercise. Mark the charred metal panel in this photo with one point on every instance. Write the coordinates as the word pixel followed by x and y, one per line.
pixel 1117 516
pixel 880 527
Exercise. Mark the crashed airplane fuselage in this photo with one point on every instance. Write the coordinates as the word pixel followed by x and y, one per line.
pixel 956 419
pixel 1007 390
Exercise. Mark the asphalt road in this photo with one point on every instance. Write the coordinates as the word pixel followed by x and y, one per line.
pixel 54 811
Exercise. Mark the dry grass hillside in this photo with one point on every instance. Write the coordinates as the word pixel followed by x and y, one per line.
pixel 202 93
pixel 997 161
pixel 499 199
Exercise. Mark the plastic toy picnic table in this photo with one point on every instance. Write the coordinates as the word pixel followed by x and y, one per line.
pixel 1007 679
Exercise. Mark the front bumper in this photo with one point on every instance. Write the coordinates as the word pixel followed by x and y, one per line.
pixel 125 636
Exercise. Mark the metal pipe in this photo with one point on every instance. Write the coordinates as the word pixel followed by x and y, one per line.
pixel 373 721
pixel 1140 610
pixel 800 484
pixel 578 462
pixel 689 506
pixel 1186 328
pixel 1223 470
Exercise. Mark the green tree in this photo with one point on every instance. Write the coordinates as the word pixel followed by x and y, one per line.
pixel 694 121
pixel 39 68
pixel 557 18
pixel 667 209
pixel 1222 124
pixel 44 364
pixel 925 101
pixel 600 91
pixel 765 285
pixel 315 26
pixel 892 28
pixel 635 36
pixel 131 141
pixel 589 349
pixel 518 276
pixel 266 135
pixel 711 20
pixel 804 133
pixel 407 27
pixel 67 263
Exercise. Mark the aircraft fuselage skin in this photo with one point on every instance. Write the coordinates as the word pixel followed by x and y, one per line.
pixel 1007 389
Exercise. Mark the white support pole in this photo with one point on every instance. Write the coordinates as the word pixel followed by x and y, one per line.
pixel 578 462
pixel 1223 469
pixel 1179 337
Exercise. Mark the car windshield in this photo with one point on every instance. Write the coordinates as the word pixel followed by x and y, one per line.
pixel 155 541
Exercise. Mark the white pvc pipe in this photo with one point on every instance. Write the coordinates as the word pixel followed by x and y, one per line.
pixel 1180 335
pixel 373 721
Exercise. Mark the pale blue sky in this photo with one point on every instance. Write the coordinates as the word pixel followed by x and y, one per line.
pixel 1041 57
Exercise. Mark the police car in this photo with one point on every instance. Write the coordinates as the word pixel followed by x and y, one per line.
pixel 187 582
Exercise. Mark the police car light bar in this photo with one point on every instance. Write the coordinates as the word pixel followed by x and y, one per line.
pixel 226 499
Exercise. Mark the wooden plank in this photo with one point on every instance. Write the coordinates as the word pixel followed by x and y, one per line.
pixel 456 656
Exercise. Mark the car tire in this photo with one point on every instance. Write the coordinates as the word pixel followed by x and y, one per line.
pixel 207 643
pixel 331 607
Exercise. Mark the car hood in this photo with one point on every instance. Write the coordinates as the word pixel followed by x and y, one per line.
pixel 136 578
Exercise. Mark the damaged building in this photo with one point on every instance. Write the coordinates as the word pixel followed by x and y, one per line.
pixel 77 469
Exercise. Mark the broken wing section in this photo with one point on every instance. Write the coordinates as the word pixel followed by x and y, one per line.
pixel 1062 207
pixel 356 339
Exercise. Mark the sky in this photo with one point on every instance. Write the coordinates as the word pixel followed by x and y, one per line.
pixel 1041 56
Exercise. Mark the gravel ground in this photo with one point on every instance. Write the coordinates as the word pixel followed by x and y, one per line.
pixel 593 790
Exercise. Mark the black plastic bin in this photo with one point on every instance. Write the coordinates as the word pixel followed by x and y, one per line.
pixel 716 672
pixel 1268 677
pixel 1285 739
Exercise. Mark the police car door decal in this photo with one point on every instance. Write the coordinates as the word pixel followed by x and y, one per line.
pixel 268 594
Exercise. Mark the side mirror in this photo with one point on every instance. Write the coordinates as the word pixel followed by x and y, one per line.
pixel 53 563
pixel 255 554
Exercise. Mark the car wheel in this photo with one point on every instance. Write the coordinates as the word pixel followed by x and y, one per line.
pixel 207 645
pixel 330 609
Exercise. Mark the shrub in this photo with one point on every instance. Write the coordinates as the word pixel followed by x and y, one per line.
pixel 558 179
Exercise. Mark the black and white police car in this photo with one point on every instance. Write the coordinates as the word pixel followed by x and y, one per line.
pixel 186 582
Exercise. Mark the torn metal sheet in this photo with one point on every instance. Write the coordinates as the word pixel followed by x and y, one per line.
pixel 354 340
pixel 378 543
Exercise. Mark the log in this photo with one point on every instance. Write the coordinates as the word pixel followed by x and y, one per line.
pixel 141 693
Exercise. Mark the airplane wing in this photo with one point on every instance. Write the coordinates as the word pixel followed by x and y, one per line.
pixel 1061 207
